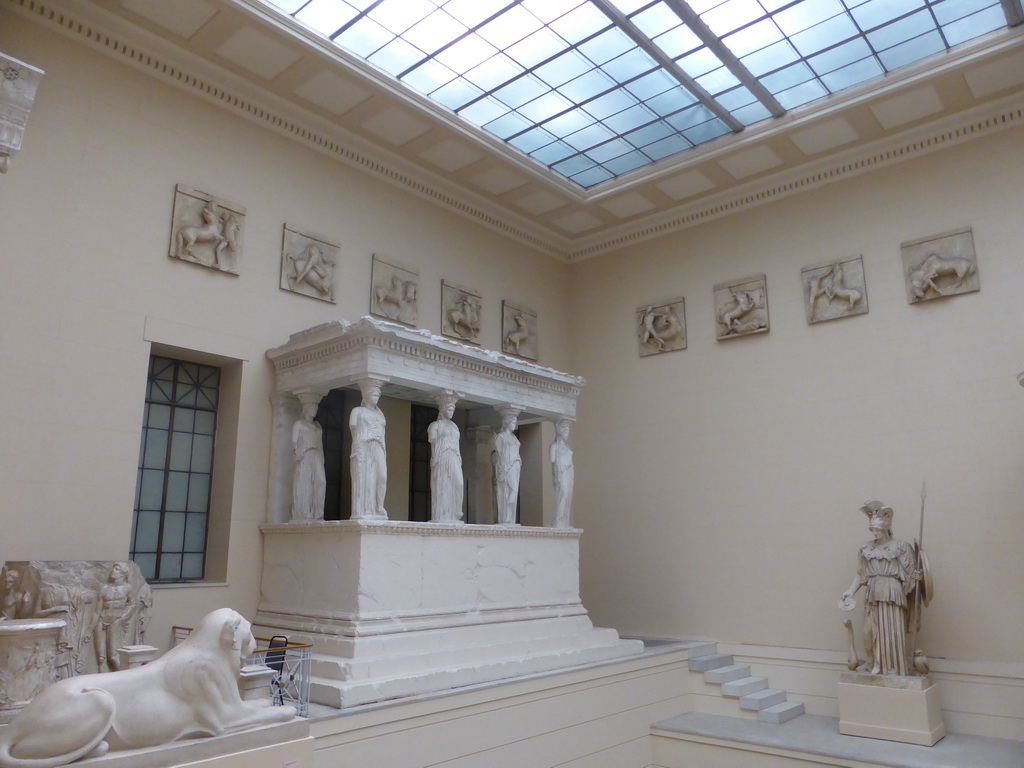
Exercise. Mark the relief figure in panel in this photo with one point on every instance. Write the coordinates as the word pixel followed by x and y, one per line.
pixel 835 290
pixel 661 329
pixel 312 268
pixel 219 229
pixel 461 318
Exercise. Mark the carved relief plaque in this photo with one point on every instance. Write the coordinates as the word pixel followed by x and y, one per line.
pixel 18 84
pixel 741 307
pixel 834 290
pixel 307 264
pixel 104 605
pixel 940 265
pixel 393 292
pixel 518 331
pixel 460 312
pixel 661 327
pixel 206 230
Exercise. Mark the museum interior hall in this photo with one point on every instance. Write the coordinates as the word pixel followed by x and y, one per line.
pixel 540 371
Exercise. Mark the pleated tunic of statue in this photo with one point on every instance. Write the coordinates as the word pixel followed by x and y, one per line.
pixel 369 463
pixel 887 569
pixel 309 483
pixel 446 482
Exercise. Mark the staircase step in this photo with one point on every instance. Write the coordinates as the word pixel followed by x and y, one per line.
pixel 743 686
pixel 727 673
pixel 702 648
pixel 781 713
pixel 711 661
pixel 758 700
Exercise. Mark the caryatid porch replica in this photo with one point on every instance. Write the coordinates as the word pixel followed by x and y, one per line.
pixel 889 695
pixel 396 608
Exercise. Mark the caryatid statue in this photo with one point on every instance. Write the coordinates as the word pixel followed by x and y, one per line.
pixel 894 574
pixel 446 479
pixel 309 481
pixel 508 465
pixel 563 473
pixel 369 463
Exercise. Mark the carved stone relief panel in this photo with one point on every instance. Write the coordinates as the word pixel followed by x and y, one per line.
pixel 518 331
pixel 741 307
pixel 18 83
pixel 460 312
pixel 661 327
pixel 834 290
pixel 206 230
pixel 940 265
pixel 307 264
pixel 393 292
pixel 104 604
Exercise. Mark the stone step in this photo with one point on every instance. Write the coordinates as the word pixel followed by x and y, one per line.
pixel 710 661
pixel 727 673
pixel 701 648
pixel 781 713
pixel 744 686
pixel 758 700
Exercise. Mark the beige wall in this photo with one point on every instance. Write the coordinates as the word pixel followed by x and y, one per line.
pixel 85 217
pixel 719 486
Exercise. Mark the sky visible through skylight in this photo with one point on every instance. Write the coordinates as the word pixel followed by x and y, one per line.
pixel 594 89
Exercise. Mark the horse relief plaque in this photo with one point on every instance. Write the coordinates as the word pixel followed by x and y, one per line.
pixel 206 230
pixel 940 265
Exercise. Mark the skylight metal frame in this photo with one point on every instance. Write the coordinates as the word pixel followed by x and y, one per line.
pixel 590 108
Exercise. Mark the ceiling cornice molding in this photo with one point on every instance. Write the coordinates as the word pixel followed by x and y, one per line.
pixel 159 57
pixel 156 57
pixel 966 126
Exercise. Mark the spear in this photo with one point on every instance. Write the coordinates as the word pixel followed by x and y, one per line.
pixel 916 618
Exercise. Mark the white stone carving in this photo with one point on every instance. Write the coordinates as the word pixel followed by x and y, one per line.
pixel 192 690
pixel 104 605
pixel 28 661
pixel 18 84
pixel 395 608
pixel 563 473
pixel 206 230
pixel 447 486
pixel 662 327
pixel 940 265
pixel 835 290
pixel 307 264
pixel 741 307
pixel 336 355
pixel 394 291
pixel 460 312
pixel 508 465
pixel 309 481
pixel 518 331
pixel 897 585
pixel 369 454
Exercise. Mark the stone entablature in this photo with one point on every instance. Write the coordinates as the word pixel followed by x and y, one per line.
pixel 338 354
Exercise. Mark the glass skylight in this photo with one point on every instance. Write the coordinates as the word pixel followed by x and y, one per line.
pixel 594 89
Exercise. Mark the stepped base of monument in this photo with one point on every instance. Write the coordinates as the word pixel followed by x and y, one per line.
pixel 395 609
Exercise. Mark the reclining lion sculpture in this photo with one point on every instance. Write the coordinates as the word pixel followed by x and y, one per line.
pixel 192 690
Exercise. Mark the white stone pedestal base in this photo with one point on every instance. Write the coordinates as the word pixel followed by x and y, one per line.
pixel 890 707
pixel 397 609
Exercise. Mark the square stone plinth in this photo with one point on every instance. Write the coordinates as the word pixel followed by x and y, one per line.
pixel 890 707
